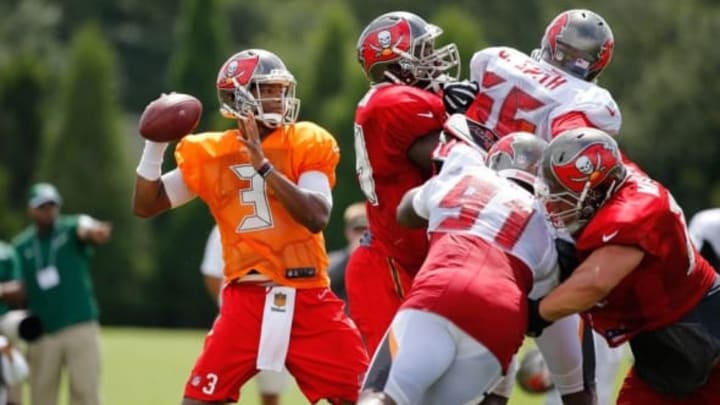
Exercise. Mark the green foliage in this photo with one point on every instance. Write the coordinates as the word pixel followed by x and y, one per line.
pixel 84 156
pixel 463 30
pixel 23 86
pixel 199 51
pixel 334 85
pixel 181 234
pixel 670 112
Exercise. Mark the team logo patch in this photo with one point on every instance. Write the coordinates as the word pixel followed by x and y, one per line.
pixel 195 381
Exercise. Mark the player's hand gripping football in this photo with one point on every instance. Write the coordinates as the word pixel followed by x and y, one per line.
pixel 250 138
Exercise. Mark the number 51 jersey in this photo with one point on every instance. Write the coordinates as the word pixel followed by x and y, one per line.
pixel 467 197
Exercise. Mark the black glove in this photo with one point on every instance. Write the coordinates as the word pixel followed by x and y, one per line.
pixel 567 261
pixel 536 323
pixel 457 96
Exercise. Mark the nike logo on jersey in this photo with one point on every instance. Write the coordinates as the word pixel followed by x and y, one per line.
pixel 428 114
pixel 610 110
pixel 606 238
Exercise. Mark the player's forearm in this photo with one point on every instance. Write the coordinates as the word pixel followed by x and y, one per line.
pixel 596 276
pixel 308 208
pixel 149 198
pixel 406 215
pixel 577 294
pixel 148 194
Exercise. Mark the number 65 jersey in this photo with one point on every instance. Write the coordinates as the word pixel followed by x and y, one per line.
pixel 519 93
pixel 489 244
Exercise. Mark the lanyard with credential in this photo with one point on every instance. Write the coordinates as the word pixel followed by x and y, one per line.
pixel 47 275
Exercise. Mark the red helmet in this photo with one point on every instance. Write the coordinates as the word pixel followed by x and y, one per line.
pixel 580 169
pixel 239 85
pixel 399 46
pixel 517 156
pixel 579 42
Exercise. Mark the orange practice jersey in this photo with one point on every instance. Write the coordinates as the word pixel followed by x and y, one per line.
pixel 257 232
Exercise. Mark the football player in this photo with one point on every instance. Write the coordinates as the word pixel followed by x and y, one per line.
pixel 397 124
pixel 551 91
pixel 640 279
pixel 570 350
pixel 490 245
pixel 267 184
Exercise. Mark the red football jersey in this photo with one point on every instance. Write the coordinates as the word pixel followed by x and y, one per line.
pixel 388 120
pixel 672 277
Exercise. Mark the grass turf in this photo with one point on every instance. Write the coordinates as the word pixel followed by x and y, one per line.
pixel 150 366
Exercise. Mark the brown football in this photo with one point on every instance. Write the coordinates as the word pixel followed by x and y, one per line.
pixel 170 117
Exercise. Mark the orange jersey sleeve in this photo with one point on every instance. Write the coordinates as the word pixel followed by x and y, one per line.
pixel 257 232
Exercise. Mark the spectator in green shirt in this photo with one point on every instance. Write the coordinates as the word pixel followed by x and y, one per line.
pixel 55 252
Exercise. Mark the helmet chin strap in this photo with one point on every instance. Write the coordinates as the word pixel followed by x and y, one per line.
pixel 272 120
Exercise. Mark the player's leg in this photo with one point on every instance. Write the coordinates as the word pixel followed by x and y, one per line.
pixel 474 371
pixel 375 287
pixel 229 353
pixel 404 367
pixel 568 349
pixel 456 369
pixel 607 368
pixel 500 393
pixel 271 384
pixel 326 354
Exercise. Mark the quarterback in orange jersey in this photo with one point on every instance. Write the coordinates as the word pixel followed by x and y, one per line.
pixel 268 186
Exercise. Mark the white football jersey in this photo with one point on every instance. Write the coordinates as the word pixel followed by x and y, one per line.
pixel 518 93
pixel 470 198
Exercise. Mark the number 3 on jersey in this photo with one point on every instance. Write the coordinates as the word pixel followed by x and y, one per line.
pixel 256 196
pixel 363 168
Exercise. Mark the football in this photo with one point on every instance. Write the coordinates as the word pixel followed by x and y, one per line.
pixel 170 117
pixel 533 375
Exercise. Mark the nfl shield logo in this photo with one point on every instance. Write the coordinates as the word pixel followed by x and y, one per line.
pixel 279 299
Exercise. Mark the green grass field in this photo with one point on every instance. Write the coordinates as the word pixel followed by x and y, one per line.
pixel 149 367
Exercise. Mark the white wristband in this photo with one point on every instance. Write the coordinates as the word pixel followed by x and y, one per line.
pixel 150 165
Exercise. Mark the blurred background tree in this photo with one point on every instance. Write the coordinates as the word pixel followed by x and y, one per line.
pixel 84 153
pixel 70 95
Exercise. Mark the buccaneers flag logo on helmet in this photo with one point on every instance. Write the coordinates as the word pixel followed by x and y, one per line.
pixel 592 164
pixel 237 71
pixel 383 44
